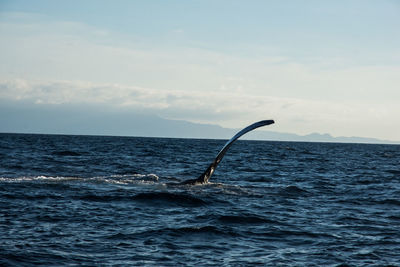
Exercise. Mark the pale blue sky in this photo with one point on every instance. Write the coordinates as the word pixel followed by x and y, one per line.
pixel 313 66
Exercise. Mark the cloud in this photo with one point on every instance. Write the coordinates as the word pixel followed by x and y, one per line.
pixel 66 62
pixel 67 50
pixel 229 110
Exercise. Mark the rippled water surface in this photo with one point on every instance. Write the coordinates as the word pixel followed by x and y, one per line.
pixel 92 200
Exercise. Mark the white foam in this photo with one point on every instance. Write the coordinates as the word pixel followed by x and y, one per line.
pixel 113 179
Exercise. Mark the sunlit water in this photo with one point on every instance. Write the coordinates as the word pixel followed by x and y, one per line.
pixel 86 200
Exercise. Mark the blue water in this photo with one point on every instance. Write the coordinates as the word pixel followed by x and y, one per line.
pixel 93 200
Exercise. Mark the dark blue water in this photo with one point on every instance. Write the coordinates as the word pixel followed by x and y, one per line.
pixel 87 200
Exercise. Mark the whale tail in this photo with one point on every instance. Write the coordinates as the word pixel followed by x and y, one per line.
pixel 202 179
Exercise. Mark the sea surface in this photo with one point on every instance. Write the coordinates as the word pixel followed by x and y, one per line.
pixel 103 200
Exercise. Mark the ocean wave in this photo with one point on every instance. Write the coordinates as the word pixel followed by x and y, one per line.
pixel 208 229
pixel 113 179
pixel 293 191
pixel 166 198
pixel 177 232
pixel 395 172
pixel 149 198
pixel 66 153
pixel 31 196
pixel 280 233
pixel 243 219
pixel 389 201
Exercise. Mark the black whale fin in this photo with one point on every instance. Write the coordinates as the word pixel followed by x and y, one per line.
pixel 210 170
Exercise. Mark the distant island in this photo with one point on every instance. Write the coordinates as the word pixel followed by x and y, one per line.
pixel 316 137
pixel 196 130
pixel 49 119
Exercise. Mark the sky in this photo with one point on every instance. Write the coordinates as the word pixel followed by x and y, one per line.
pixel 312 66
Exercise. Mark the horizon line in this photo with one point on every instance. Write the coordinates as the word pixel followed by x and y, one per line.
pixel 333 141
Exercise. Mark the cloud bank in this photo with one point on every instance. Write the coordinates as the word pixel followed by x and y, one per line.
pixel 204 107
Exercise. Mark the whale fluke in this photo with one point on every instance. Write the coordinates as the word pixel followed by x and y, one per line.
pixel 202 179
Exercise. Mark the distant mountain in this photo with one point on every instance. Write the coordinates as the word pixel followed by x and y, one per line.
pixel 185 129
pixel 315 137
pixel 100 120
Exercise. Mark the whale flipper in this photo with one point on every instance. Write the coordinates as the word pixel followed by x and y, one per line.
pixel 202 179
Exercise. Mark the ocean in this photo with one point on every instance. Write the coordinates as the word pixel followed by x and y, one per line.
pixel 115 201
